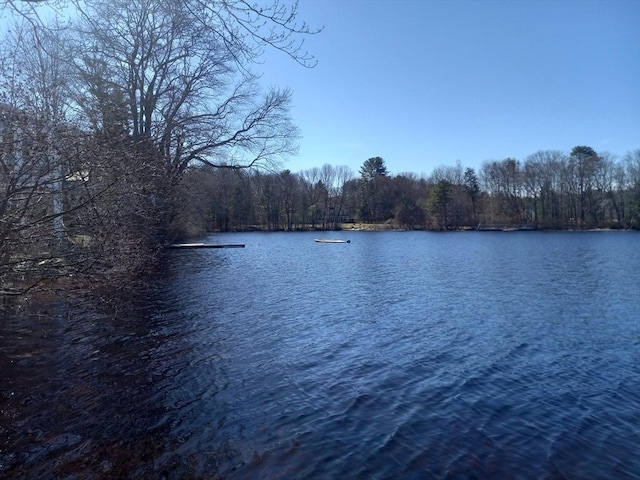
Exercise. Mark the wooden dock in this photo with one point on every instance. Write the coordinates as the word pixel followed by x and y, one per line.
pixel 328 240
pixel 507 227
pixel 207 245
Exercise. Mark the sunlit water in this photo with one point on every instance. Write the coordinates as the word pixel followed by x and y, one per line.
pixel 400 355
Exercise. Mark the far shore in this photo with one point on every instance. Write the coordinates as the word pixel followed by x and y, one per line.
pixel 390 227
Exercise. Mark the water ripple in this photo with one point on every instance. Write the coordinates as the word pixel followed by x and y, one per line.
pixel 400 355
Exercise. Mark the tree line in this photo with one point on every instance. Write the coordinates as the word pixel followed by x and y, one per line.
pixel 549 189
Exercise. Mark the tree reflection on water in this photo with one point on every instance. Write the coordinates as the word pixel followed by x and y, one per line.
pixel 89 393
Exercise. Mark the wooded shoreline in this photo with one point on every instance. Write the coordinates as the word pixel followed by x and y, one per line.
pixel 390 227
pixel 102 169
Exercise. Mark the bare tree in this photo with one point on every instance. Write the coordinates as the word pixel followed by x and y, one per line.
pixel 182 72
pixel 290 194
pixel 99 122
pixel 36 155
pixel 549 167
pixel 632 167
pixel 343 175
pixel 310 195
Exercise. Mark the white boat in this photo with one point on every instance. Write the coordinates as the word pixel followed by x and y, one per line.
pixel 328 240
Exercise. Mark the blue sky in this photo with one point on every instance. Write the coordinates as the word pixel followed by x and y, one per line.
pixel 424 83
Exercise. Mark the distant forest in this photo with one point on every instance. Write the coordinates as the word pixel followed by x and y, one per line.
pixel 548 190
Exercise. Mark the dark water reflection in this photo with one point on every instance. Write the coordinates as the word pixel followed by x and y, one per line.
pixel 400 355
pixel 80 394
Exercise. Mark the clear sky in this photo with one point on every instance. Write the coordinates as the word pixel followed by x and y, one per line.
pixel 424 83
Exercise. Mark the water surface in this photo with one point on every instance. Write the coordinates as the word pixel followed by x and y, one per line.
pixel 399 355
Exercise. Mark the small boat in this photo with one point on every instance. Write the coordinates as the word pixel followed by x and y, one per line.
pixel 328 240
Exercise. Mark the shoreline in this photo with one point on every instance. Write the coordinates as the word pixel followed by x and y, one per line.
pixel 381 227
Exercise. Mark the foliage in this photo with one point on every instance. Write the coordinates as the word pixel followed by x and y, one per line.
pixel 438 204
pixel 372 168
pixel 373 176
pixel 541 191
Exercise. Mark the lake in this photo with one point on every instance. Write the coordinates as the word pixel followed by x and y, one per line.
pixel 502 355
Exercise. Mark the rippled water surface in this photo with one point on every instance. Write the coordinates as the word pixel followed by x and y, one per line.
pixel 400 355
